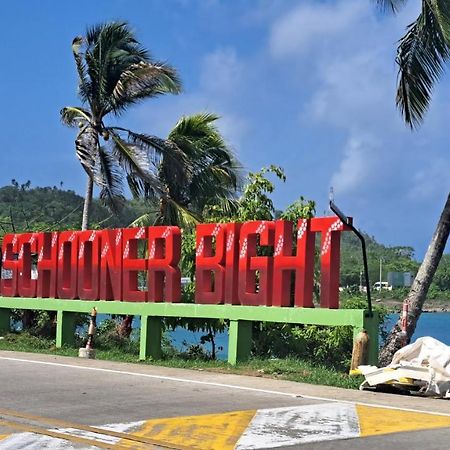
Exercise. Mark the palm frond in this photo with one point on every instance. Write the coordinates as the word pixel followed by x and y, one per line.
pixel 83 80
pixel 87 147
pixel 173 213
pixel 228 207
pixel 194 126
pixel 144 220
pixel 157 148
pixel 140 189
pixel 135 162
pixel 112 49
pixel 141 81
pixel 214 170
pixel 421 56
pixel 72 116
pixel 390 5
pixel 115 34
pixel 109 178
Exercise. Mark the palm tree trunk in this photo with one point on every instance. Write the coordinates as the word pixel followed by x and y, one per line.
pixel 419 289
pixel 125 327
pixel 86 145
pixel 87 203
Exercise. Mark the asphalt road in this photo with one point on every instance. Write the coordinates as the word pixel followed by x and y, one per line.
pixel 201 410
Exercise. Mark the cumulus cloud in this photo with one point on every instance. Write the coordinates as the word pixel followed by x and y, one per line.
pixel 359 164
pixel 221 71
pixel 310 25
pixel 428 181
pixel 343 53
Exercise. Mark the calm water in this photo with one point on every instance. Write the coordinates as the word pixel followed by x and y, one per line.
pixel 436 325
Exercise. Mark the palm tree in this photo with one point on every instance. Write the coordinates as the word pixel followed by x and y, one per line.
pixel 421 56
pixel 208 176
pixel 115 72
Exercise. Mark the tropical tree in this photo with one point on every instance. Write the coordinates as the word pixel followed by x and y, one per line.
pixel 114 73
pixel 421 57
pixel 208 174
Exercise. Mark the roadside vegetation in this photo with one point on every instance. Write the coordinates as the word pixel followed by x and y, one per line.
pixel 289 368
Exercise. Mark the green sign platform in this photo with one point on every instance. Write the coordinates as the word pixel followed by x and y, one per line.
pixel 240 317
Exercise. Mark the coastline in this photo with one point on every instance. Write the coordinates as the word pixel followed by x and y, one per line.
pixel 430 306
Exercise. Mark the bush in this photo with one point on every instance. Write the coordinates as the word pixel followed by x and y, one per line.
pixel 329 346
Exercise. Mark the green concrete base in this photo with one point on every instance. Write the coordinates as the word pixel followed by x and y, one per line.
pixel 5 320
pixel 65 328
pixel 371 325
pixel 239 341
pixel 150 342
pixel 240 317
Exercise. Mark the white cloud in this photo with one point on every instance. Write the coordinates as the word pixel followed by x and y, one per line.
pixel 313 25
pixel 428 182
pixel 221 72
pixel 359 164
pixel 341 55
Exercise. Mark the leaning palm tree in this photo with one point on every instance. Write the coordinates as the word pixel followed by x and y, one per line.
pixel 205 175
pixel 208 175
pixel 115 72
pixel 421 56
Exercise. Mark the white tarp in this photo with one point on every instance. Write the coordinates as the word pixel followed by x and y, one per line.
pixel 426 361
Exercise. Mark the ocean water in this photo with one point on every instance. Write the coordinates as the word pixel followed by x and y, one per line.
pixel 436 325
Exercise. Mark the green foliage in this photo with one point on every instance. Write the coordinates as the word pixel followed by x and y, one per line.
pixel 24 209
pixel 301 208
pixel 394 259
pixel 108 337
pixel 114 73
pixel 329 346
pixel 255 203
pixel 203 172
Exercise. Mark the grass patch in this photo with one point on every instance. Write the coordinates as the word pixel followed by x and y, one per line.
pixel 291 369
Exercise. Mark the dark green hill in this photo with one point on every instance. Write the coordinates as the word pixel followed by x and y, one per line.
pixel 23 208
pixel 393 259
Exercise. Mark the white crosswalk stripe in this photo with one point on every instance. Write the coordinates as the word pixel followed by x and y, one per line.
pixel 272 428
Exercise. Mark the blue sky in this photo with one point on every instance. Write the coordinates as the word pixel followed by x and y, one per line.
pixel 307 85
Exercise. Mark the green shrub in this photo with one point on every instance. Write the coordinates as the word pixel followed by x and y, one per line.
pixel 328 346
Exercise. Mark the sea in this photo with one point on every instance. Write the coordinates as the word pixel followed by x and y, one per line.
pixel 434 324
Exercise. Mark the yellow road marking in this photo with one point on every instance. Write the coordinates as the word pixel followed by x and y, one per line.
pixel 3 436
pixel 205 432
pixel 88 428
pixel 375 420
pixel 66 437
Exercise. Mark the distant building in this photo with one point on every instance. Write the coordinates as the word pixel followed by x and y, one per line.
pixel 400 279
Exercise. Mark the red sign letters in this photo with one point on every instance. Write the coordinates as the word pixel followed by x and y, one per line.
pixel 254 263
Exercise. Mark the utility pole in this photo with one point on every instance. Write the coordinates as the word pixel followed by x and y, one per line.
pixel 360 281
pixel 381 273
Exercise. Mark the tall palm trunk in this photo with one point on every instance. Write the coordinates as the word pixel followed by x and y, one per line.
pixel 87 203
pixel 86 144
pixel 419 289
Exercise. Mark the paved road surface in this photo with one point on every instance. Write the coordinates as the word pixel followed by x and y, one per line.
pixel 46 398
